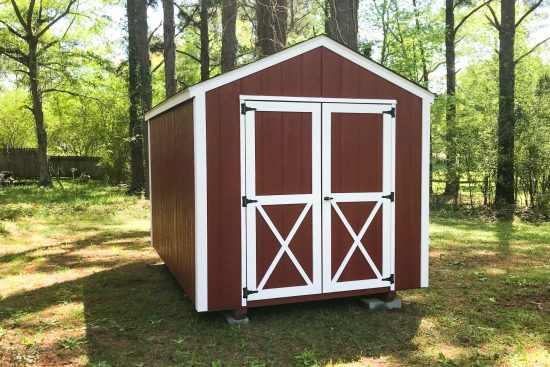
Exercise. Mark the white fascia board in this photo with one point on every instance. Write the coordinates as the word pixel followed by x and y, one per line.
pixel 281 56
pixel 171 102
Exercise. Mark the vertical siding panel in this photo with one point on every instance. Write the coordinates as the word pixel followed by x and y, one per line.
pixel 331 76
pixel 173 196
pixel 311 64
pixel 292 77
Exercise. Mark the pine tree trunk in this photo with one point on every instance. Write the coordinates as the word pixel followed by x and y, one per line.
pixel 169 48
pixel 452 179
pixel 504 197
pixel 38 112
pixel 272 16
pixel 229 35
pixel 342 21
pixel 139 84
pixel 205 42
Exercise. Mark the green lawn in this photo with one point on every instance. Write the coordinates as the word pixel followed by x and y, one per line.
pixel 80 285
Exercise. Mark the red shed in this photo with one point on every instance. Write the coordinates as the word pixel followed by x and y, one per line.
pixel 301 176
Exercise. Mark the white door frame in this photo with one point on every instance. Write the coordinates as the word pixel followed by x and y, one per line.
pixel 249 212
pixel 330 283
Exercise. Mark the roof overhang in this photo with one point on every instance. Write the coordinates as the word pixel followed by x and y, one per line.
pixel 288 53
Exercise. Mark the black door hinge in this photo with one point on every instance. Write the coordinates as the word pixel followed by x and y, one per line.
pixel 247 292
pixel 390 196
pixel 246 201
pixel 390 112
pixel 245 109
pixel 390 279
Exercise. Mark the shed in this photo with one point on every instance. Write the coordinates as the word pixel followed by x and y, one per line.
pixel 302 176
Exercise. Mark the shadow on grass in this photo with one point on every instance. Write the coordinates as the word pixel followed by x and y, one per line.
pixel 137 314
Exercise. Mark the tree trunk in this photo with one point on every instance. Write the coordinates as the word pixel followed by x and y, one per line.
pixel 272 16
pixel 229 35
pixel 169 48
pixel 452 179
pixel 139 84
pixel 205 42
pixel 342 21
pixel 504 196
pixel 425 74
pixel 37 110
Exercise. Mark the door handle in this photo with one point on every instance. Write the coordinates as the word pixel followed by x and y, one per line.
pixel 327 198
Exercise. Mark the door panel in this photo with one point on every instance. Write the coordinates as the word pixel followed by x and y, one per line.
pixel 283 174
pixel 357 173
pixel 283 153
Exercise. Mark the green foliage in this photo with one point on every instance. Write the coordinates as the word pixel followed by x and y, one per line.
pixel 16 124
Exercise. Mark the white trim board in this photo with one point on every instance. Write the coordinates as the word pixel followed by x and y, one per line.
pixel 288 53
pixel 425 196
pixel 201 238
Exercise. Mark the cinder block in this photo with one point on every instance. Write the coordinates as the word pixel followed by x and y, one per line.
pixel 373 303
pixel 231 320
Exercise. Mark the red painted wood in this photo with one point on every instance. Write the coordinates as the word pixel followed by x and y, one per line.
pixel 173 193
pixel 283 153
pixel 323 73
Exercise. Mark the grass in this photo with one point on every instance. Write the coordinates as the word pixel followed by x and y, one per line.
pixel 81 286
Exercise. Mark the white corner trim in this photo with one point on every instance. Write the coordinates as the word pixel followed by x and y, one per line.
pixel 288 53
pixel 201 239
pixel 425 196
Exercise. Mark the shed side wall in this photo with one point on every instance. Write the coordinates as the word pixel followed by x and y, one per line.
pixel 173 192
pixel 317 73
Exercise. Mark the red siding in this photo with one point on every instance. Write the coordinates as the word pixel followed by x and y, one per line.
pixel 173 192
pixel 318 73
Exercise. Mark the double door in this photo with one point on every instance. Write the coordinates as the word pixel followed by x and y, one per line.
pixel 317 197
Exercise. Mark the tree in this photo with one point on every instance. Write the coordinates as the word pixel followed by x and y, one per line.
pixel 205 41
pixel 28 44
pixel 342 24
pixel 272 28
pixel 505 184
pixel 229 35
pixel 169 48
pixel 453 178
pixel 139 87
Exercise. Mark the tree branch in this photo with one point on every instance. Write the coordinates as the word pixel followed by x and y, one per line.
pixel 57 18
pixel 74 94
pixel 494 22
pixel 29 12
pixel 12 30
pixel 157 67
pixel 470 14
pixel 531 9
pixel 189 55
pixel 531 50
pixel 154 31
pixel 21 20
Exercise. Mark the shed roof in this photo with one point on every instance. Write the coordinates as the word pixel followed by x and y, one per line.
pixel 283 55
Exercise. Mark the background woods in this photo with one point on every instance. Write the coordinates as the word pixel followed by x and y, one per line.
pixel 76 78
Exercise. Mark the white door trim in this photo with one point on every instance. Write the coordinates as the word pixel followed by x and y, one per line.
pixel 330 283
pixel 312 203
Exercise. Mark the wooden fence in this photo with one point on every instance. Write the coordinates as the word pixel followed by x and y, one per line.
pixel 23 162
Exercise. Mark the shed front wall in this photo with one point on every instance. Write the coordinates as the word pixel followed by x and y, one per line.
pixel 171 152
pixel 317 73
